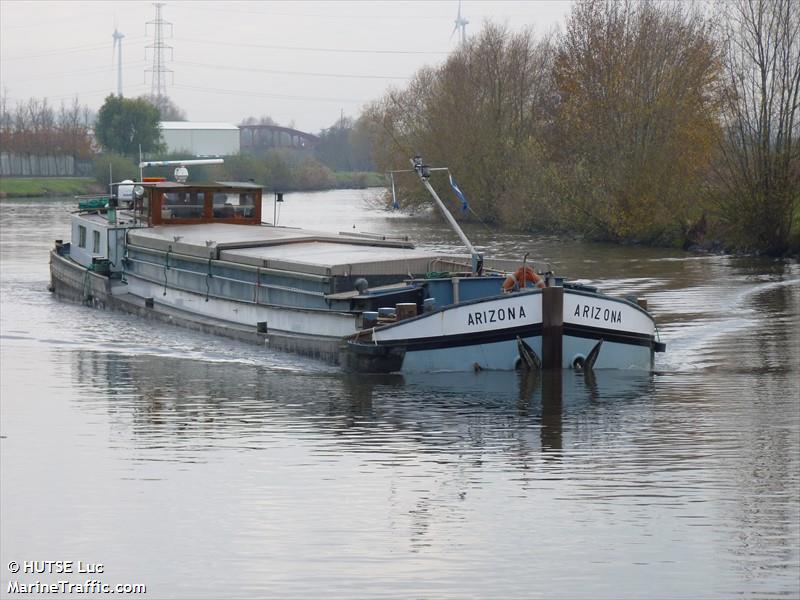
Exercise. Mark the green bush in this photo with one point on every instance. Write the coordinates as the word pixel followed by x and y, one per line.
pixel 312 175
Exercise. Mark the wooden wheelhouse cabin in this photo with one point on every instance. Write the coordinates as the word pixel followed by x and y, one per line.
pixel 170 203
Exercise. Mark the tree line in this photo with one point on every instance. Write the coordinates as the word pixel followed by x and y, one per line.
pixel 36 127
pixel 642 122
pixel 122 127
pixel 279 169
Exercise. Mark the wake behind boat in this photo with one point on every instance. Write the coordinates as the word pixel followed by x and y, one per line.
pixel 200 256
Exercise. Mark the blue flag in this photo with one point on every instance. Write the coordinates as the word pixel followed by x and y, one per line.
pixel 460 194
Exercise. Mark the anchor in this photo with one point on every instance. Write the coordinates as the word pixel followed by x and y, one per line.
pixel 528 356
pixel 587 364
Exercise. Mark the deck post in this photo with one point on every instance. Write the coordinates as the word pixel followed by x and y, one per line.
pixel 552 327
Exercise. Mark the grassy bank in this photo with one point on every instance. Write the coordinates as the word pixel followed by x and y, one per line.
pixel 27 187
pixel 359 179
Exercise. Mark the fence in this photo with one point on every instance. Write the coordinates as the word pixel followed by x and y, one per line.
pixel 29 165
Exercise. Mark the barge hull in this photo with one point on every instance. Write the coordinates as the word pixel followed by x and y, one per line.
pixel 395 352
pixel 70 281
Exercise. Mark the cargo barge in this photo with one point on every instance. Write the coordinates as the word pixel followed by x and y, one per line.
pixel 199 255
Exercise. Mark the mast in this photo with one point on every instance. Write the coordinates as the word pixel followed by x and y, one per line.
pixel 424 172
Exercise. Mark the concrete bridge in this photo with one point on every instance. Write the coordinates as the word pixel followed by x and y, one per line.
pixel 261 137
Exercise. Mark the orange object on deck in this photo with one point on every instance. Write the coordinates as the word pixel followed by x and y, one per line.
pixel 521 277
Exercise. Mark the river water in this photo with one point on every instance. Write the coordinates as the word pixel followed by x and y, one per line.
pixel 205 468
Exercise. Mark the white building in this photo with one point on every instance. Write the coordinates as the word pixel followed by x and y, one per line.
pixel 200 139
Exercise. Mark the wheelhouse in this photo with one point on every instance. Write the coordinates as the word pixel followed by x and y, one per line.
pixel 101 223
pixel 171 203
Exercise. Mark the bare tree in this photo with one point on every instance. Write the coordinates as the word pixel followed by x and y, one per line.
pixel 6 121
pixel 482 114
pixel 760 167
pixel 263 120
pixel 72 130
pixel 167 109
pixel 34 127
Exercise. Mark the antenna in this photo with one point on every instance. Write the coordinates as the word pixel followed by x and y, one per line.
pixel 181 172
pixel 461 22
pixel 158 83
pixel 117 43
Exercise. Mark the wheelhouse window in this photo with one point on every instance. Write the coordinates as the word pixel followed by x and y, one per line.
pixel 172 203
pixel 81 236
pixel 95 242
pixel 182 205
pixel 232 205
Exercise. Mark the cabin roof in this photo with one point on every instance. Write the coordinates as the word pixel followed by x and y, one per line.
pixel 164 184
pixel 169 185
pixel 240 184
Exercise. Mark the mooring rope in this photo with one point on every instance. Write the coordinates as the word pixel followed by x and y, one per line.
pixel 166 266
pixel 208 289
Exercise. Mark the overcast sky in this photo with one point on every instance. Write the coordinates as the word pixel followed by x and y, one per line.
pixel 298 62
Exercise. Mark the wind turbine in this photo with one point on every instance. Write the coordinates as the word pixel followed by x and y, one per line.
pixel 461 22
pixel 117 43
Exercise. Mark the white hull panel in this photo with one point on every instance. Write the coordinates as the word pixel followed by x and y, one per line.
pixel 296 321
pixel 512 311
pixel 590 310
